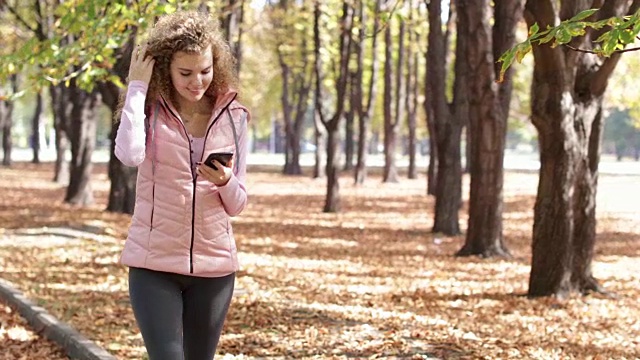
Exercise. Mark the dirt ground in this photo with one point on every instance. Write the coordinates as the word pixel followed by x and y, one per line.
pixel 369 282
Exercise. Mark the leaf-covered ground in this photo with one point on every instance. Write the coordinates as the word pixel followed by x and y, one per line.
pixel 370 282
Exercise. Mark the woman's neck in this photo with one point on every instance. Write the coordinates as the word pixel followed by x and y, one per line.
pixel 189 108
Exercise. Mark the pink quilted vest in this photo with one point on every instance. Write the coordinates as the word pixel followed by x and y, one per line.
pixel 181 224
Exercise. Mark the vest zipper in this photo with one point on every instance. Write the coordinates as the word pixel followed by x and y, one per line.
pixel 193 223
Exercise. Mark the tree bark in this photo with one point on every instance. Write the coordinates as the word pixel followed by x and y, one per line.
pixel 444 127
pixel 349 131
pixel 435 103
pixel 365 113
pixel 122 193
pixel 35 129
pixel 332 124
pixel 411 102
pixel 489 109
pixel 390 172
pixel 296 86
pixel 231 19
pixel 6 120
pixel 567 92
pixel 82 136
pixel 320 141
pixel 60 106
pixel 332 201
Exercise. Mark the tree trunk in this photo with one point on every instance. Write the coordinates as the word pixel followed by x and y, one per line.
pixel 435 103
pixel 400 94
pixel 445 128
pixel 83 138
pixel 122 193
pixel 320 140
pixel 231 18
pixel 332 201
pixel 567 92
pixel 349 131
pixel 35 129
pixel 332 124
pixel 365 113
pixel 411 102
pixel 60 106
pixel 296 87
pixel 390 124
pixel 6 120
pixel 289 168
pixel 489 109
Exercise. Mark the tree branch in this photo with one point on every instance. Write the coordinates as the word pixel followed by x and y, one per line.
pixel 18 17
pixel 595 52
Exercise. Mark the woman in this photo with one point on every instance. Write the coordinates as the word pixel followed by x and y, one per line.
pixel 180 107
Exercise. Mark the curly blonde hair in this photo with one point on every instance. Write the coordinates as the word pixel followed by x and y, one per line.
pixel 190 32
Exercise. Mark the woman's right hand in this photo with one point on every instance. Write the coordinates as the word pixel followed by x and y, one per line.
pixel 141 66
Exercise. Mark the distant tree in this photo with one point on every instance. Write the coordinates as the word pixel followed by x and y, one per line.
pixel 412 84
pixel 292 50
pixel 445 119
pixel 331 123
pixel 389 104
pixel 6 121
pixel 621 131
pixel 365 102
pixel 36 121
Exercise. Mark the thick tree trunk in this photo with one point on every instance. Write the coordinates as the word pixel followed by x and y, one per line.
pixel 489 109
pixel 567 92
pixel 444 127
pixel 122 192
pixel 83 138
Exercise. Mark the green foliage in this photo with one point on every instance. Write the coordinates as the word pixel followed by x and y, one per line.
pixel 82 42
pixel 621 32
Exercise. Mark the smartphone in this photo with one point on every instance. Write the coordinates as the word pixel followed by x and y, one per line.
pixel 223 157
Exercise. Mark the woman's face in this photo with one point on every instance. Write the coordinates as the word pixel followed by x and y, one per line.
pixel 192 74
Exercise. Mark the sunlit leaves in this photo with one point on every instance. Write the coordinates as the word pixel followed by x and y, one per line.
pixel 83 41
pixel 621 31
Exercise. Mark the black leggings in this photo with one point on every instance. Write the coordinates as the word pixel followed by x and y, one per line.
pixel 180 317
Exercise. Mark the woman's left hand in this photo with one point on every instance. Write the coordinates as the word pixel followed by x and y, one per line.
pixel 218 177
